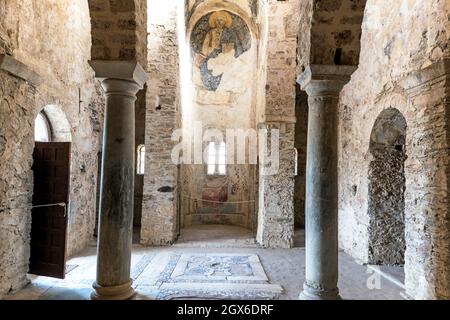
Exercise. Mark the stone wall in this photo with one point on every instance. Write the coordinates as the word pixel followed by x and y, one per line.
pixel 232 196
pixel 410 41
pixel 427 219
pixel 280 92
pixel 330 32
pixel 16 133
pixel 301 135
pixel 276 193
pixel 119 30
pixel 35 33
pixel 159 208
pixel 336 31
pixel 304 35
pixel 223 92
pixel 140 117
pixel 386 203
pixel 276 209
pixel 270 101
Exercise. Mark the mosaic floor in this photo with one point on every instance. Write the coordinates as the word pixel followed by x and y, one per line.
pixel 206 275
pixel 217 272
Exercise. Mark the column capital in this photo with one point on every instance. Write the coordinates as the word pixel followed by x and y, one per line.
pixel 119 70
pixel 325 80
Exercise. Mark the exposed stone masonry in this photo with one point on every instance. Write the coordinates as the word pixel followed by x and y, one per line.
pixel 276 192
pixel 401 49
pixel 412 41
pixel 33 33
pixel 330 32
pixel 301 132
pixel 159 207
pixel 386 207
pixel 119 30
pixel 16 125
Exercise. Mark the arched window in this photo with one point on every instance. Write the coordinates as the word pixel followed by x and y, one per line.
pixel 216 158
pixel 42 131
pixel 140 159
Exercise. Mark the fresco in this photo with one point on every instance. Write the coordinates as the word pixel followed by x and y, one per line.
pixel 222 84
pixel 254 7
pixel 214 196
pixel 220 35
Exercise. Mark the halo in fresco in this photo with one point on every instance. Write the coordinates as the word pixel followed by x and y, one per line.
pixel 216 33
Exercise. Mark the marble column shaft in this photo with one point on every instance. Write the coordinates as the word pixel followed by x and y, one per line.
pixel 121 81
pixel 323 84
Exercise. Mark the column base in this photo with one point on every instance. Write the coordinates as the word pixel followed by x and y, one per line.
pixel 310 293
pixel 120 292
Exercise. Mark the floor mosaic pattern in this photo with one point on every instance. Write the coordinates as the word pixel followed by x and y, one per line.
pixel 200 275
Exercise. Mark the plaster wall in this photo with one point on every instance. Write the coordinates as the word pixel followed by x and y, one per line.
pixel 35 33
pixel 400 38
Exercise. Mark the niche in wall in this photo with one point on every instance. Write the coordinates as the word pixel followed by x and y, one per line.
pixel 386 205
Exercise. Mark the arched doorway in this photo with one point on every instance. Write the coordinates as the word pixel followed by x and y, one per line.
pixel 51 173
pixel 59 126
pixel 386 207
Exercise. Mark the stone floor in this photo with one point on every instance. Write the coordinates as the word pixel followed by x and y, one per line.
pixel 395 274
pixel 208 236
pixel 213 262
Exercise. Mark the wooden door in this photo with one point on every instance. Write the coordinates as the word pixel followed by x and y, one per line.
pixel 51 170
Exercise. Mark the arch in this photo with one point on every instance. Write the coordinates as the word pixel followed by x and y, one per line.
pixel 59 124
pixel 386 201
pixel 215 5
pixel 42 128
pixel 330 32
pixel 128 19
pixel 216 73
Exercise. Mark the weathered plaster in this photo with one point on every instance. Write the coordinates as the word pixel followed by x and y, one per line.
pixel 35 33
pixel 407 43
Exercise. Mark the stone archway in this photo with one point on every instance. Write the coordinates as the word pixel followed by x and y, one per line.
pixel 386 207
pixel 60 126
pixel 125 20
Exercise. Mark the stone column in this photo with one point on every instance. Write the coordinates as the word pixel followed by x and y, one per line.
pixel 323 84
pixel 121 81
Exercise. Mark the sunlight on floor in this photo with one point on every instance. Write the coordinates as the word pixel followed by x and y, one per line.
pixel 209 262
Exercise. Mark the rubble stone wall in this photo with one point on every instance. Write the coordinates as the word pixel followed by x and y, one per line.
pixel 36 34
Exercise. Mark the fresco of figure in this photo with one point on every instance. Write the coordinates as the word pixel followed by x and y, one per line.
pixel 220 22
pixel 217 33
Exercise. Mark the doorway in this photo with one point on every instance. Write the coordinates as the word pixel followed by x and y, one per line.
pixel 50 202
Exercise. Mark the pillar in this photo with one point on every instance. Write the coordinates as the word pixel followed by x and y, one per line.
pixel 121 81
pixel 276 185
pixel 427 172
pixel 323 84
